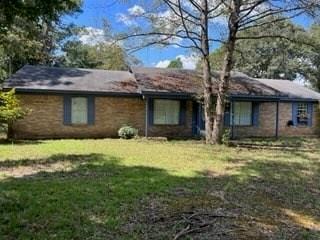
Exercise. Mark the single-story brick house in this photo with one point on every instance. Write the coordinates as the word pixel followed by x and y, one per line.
pixel 87 103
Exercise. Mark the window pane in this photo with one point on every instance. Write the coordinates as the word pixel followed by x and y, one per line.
pixel 166 112
pixel 236 113
pixel 79 112
pixel 302 114
pixel 242 113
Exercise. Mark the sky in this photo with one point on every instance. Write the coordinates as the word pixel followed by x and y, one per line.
pixel 94 11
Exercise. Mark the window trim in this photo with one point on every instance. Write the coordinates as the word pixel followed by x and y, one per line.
pixel 167 124
pixel 310 112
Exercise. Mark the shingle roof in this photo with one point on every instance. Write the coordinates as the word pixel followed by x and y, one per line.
pixel 155 80
pixel 242 84
pixel 147 81
pixel 289 88
pixel 162 80
pixel 72 79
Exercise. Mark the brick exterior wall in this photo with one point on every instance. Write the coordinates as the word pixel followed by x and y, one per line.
pixel 267 122
pixel 46 120
pixel 46 117
pixel 286 115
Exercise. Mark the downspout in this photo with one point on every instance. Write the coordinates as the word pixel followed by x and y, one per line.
pixel 277 120
pixel 199 119
pixel 146 117
pixel 232 119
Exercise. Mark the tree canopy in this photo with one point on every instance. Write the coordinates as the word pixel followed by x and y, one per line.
pixel 312 60
pixel 34 11
pixel 277 58
pixel 175 63
pixel 101 56
pixel 31 31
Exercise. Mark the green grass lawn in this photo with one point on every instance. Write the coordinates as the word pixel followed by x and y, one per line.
pixel 138 189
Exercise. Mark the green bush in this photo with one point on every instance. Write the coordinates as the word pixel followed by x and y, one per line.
pixel 10 111
pixel 226 137
pixel 127 132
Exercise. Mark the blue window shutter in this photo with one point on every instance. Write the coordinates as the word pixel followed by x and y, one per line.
pixel 294 113
pixel 227 119
pixel 255 114
pixel 194 117
pixel 91 110
pixel 66 110
pixel 183 109
pixel 310 114
pixel 202 121
pixel 150 111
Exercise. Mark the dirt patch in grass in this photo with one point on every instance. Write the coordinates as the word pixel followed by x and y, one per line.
pixel 217 215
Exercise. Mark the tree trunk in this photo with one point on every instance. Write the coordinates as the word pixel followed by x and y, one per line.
pixel 206 73
pixel 225 74
pixel 10 132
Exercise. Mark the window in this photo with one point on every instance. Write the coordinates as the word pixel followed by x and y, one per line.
pixel 242 114
pixel 302 114
pixel 166 112
pixel 79 110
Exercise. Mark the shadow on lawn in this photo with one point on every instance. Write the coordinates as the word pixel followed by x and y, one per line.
pixel 56 158
pixel 4 141
pixel 101 199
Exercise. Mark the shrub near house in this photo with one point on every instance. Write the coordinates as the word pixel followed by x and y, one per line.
pixel 10 111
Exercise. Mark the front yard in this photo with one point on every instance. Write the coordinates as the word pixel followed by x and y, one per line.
pixel 137 189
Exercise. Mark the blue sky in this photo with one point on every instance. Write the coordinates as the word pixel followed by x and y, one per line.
pixel 96 10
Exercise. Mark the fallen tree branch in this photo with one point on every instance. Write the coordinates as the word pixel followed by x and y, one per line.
pixel 182 233
pixel 197 222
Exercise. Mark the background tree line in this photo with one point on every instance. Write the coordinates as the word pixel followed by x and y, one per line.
pixel 277 58
pixel 32 32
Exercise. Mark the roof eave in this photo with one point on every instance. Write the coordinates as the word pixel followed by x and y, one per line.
pixel 75 92
pixel 272 98
pixel 159 94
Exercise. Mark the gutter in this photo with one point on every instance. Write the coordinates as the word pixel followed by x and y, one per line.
pixel 165 95
pixel 73 92
pixel 271 98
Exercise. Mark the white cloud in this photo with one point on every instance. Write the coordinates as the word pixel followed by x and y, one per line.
pixel 189 61
pixel 92 36
pixel 136 10
pixel 128 18
pixel 162 64
pixel 125 19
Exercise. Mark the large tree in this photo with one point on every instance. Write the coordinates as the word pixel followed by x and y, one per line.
pixel 34 11
pixel 312 71
pixel 100 56
pixel 280 58
pixel 194 25
pixel 30 32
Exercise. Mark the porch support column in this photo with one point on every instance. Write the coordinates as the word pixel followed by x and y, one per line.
pixel 277 119
pixel 232 118
pixel 146 118
pixel 199 118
